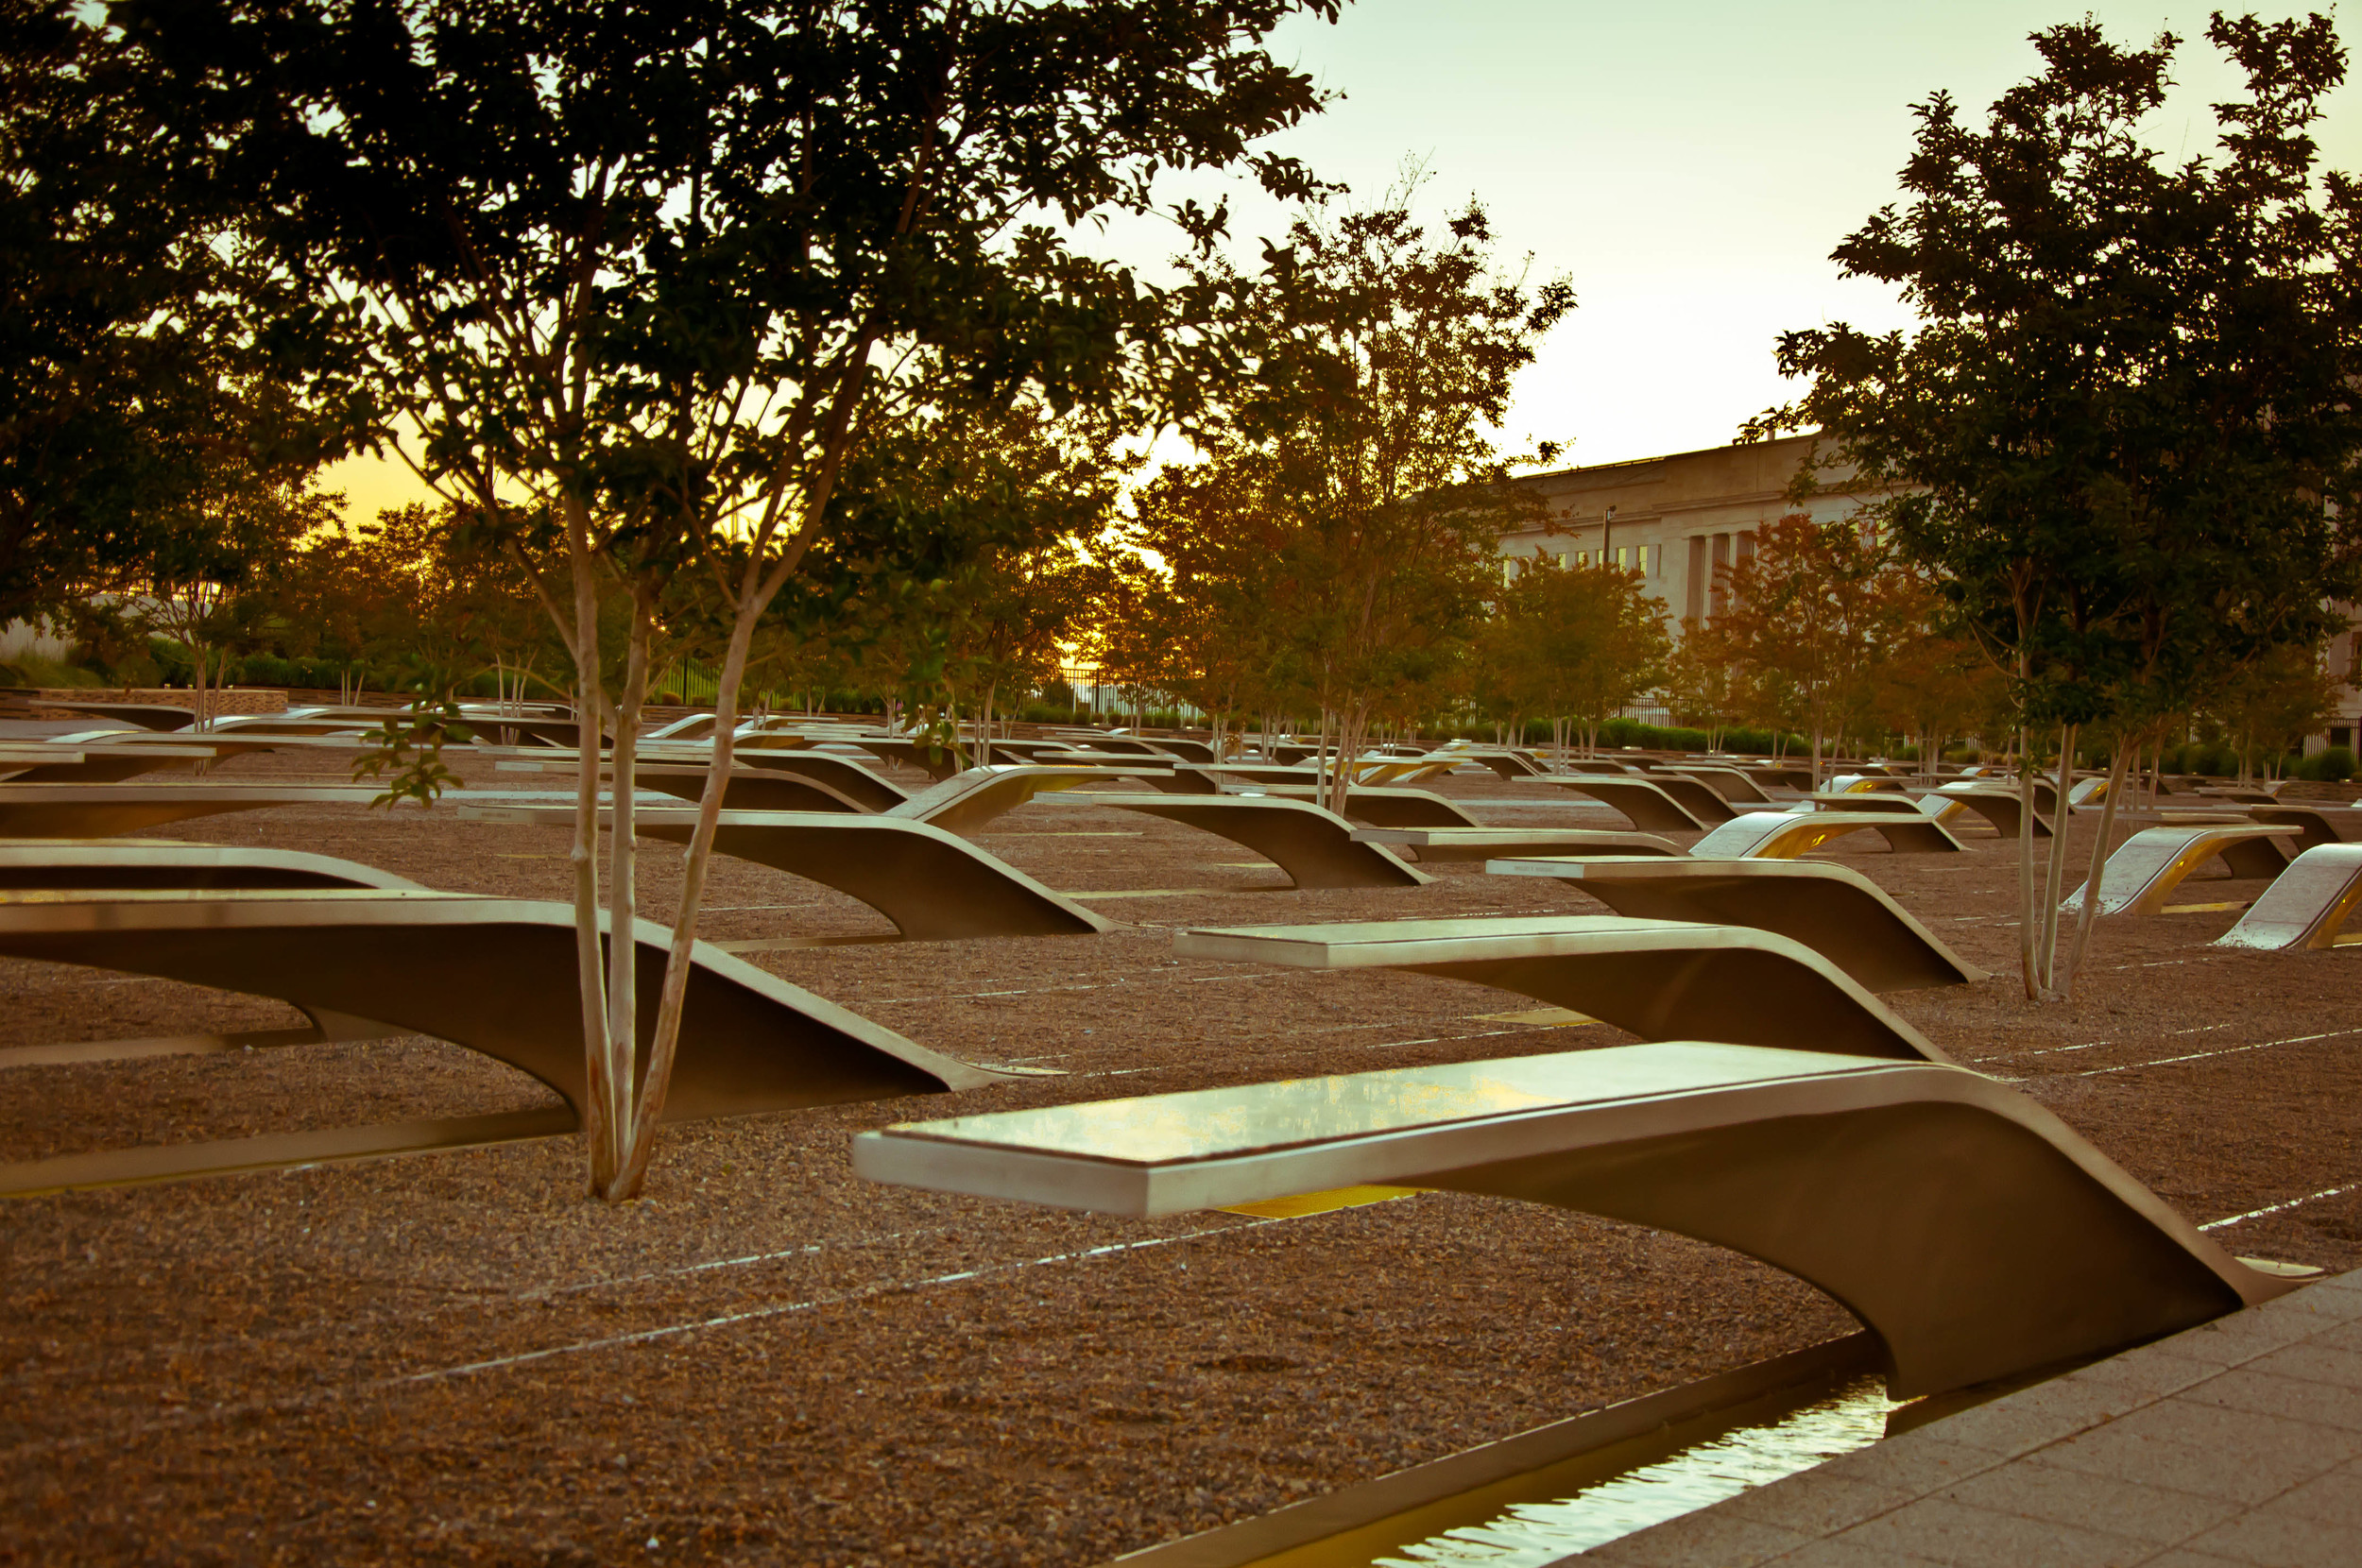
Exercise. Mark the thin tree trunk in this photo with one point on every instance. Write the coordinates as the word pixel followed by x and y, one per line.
pixel 2088 915
pixel 664 1040
pixel 600 1127
pixel 622 893
pixel 2027 933
pixel 2055 889
pixel 196 694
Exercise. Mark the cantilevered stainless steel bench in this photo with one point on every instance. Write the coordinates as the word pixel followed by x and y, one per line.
pixel 1783 835
pixel 93 760
pixel 1661 802
pixel 1998 804
pixel 1661 979
pixel 1832 800
pixel 1730 783
pixel 2147 867
pixel 1487 843
pixel 1315 848
pixel 103 811
pixel 1513 766
pixel 493 975
pixel 26 864
pixel 960 804
pixel 30 864
pixel 967 801
pixel 750 788
pixel 2318 824
pixel 2306 906
pixel 1864 783
pixel 935 885
pixel 1844 1171
pixel 1834 910
pixel 936 761
pixel 849 778
pixel 1381 806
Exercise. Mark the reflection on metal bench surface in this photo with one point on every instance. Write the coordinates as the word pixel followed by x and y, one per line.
pixel 1315 848
pixel 2306 906
pixel 1486 844
pixel 1834 910
pixel 1781 835
pixel 1845 1172
pixel 2147 866
pixel 1661 979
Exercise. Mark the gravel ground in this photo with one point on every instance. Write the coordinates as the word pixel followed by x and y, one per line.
pixel 455 1359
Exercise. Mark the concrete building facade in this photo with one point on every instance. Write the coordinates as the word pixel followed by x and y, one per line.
pixel 1681 519
pixel 1677 520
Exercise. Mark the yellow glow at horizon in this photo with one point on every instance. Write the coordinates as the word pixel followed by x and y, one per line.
pixel 373 484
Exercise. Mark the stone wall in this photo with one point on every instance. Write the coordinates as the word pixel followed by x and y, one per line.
pixel 237 699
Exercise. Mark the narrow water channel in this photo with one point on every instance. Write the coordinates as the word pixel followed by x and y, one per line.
pixel 1529 1534
pixel 1546 1516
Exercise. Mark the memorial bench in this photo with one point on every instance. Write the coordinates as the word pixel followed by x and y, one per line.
pixel 2147 867
pixel 497 975
pixel 104 811
pixel 1998 804
pixel 1834 910
pixel 1662 803
pixel 1382 806
pixel 1781 835
pixel 1843 1170
pixel 1660 979
pixel 1731 784
pixel 1316 848
pixel 1487 843
pixel 2306 906
pixel 932 884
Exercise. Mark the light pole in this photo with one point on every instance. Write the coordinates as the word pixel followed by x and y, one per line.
pixel 1608 529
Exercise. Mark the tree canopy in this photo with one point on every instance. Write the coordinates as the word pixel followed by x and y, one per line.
pixel 2124 439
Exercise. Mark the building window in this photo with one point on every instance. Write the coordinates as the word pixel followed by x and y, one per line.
pixel 2341 735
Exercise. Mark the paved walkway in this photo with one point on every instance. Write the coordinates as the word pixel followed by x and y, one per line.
pixel 2238 1442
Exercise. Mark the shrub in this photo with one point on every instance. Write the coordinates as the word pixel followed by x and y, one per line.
pixel 33 669
pixel 2333 766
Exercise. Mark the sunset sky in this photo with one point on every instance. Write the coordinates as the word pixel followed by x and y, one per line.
pixel 1688 167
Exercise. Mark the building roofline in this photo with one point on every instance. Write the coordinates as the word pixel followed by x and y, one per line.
pixel 1662 457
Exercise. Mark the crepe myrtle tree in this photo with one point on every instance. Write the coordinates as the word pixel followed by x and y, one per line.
pixel 1577 641
pixel 1806 624
pixel 1007 507
pixel 1379 361
pixel 665 268
pixel 2123 441
pixel 1203 598
pixel 117 321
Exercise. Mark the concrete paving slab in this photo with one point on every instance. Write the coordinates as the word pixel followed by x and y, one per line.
pixel 2236 1443
pixel 2281 1540
pixel 2249 1388
pixel 1979 1538
pixel 2335 1498
pixel 2039 1490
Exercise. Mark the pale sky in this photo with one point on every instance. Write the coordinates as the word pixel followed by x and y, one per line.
pixel 1688 165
